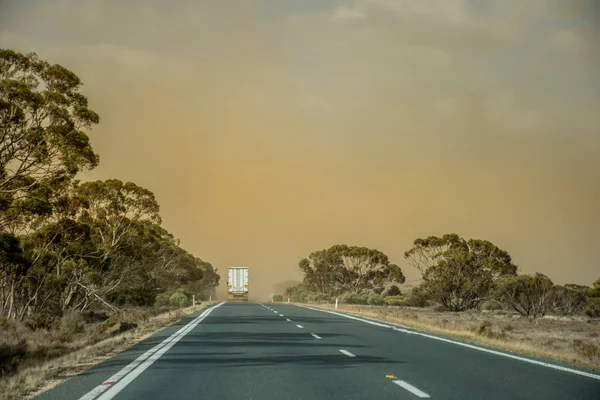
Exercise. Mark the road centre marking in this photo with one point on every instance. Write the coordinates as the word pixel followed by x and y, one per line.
pixel 299 326
pixel 288 320
pixel 411 388
pixel 346 352
pixel 470 346
pixel 316 336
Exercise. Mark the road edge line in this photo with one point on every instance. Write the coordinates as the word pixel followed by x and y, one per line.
pixel 456 342
pixel 135 364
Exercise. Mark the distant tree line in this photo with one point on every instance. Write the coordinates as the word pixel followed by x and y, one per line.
pixel 457 275
pixel 67 245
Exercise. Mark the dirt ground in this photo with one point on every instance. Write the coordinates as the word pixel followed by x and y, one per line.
pixel 569 339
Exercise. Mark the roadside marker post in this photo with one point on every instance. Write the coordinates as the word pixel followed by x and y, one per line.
pixel 336 303
pixel 193 300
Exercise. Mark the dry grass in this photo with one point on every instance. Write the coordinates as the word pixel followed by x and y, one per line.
pixel 83 352
pixel 571 340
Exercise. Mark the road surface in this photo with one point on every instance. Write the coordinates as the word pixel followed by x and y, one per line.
pixel 282 351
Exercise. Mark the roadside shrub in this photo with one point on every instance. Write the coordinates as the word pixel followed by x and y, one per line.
pixel 278 297
pixel 485 329
pixel 491 306
pixel 161 300
pixel 317 297
pixel 375 299
pixel 127 326
pixel 363 299
pixel 349 298
pixel 587 349
pixel 178 299
pixel 592 308
pixel 10 356
pixel 41 321
pixel 417 298
pixel 392 291
pixel 73 323
pixel 394 300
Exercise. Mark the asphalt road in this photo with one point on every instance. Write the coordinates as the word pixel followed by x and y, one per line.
pixel 282 351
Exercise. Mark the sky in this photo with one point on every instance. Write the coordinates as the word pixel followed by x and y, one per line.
pixel 269 129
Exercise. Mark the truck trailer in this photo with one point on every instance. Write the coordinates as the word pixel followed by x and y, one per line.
pixel 237 284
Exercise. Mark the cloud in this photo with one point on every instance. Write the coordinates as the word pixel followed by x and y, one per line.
pixel 344 13
pixel 267 135
pixel 570 41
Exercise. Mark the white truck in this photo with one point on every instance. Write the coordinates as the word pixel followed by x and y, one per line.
pixel 237 283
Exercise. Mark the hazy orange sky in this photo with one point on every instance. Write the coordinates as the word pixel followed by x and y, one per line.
pixel 270 129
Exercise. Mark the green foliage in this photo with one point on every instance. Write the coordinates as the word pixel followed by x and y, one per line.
pixel 315 297
pixel 375 299
pixel 73 323
pixel 529 295
pixel 162 300
pixel 393 291
pixel 457 273
pixel 569 299
pixel 43 117
pixel 89 245
pixel 298 293
pixel 354 298
pixel 418 297
pixel 343 268
pixel 394 300
pixel 277 297
pixel 11 355
pixel 592 308
pixel 178 299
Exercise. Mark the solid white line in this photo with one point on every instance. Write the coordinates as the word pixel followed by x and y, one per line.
pixel 411 389
pixel 288 320
pixel 346 352
pixel 316 336
pixel 299 326
pixel 130 372
pixel 470 346
pixel 348 316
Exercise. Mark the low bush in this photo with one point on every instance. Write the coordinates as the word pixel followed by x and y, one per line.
pixel 392 291
pixel 592 308
pixel 394 300
pixel 375 299
pixel 178 299
pixel 278 297
pixel 587 349
pixel 316 297
pixel 11 355
pixel 72 323
pixel 161 300
pixel 491 306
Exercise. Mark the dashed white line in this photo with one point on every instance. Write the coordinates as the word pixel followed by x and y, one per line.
pixel 316 336
pixel 299 326
pixel 281 315
pixel 346 352
pixel 288 320
pixel 470 346
pixel 411 388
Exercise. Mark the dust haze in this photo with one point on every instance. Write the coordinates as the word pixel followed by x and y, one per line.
pixel 270 129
